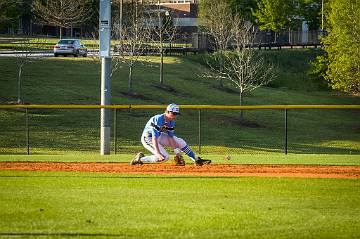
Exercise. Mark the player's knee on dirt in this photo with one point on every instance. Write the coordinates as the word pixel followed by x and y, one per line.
pixel 166 158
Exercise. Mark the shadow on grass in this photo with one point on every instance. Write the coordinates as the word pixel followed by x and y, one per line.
pixel 301 149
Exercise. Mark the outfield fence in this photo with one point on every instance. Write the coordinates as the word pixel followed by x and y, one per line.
pixel 209 129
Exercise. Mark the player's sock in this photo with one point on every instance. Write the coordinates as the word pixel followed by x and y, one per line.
pixel 189 152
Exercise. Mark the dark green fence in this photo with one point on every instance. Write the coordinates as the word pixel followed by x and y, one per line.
pixel 50 129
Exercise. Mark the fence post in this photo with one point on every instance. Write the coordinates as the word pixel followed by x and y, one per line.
pixel 115 130
pixel 199 131
pixel 27 131
pixel 286 132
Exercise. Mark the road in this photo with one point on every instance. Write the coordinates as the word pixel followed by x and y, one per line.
pixel 35 54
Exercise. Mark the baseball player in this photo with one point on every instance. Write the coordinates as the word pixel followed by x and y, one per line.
pixel 159 132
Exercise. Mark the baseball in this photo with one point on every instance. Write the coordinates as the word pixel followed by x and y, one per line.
pixel 227 157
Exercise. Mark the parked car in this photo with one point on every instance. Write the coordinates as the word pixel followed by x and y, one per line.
pixel 70 47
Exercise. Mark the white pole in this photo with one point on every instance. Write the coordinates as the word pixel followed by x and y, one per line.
pixel 322 15
pixel 105 33
pixel 105 100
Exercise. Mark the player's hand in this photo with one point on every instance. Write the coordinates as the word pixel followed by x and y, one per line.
pixel 160 157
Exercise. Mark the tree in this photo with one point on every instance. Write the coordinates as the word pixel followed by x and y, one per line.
pixel 342 46
pixel 131 37
pixel 10 11
pixel 62 13
pixel 310 11
pixel 244 67
pixel 163 28
pixel 216 18
pixel 275 15
pixel 24 55
pixel 244 7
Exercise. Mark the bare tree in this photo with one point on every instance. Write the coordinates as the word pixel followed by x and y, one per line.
pixel 163 28
pixel 244 66
pixel 62 13
pixel 247 68
pixel 130 38
pixel 216 18
pixel 25 54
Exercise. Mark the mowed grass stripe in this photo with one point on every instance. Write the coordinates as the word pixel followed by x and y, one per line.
pixel 128 206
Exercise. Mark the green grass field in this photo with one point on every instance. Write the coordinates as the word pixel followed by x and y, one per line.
pixel 98 205
pixel 76 81
pixel 84 205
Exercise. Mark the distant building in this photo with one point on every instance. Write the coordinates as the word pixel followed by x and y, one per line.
pixel 184 13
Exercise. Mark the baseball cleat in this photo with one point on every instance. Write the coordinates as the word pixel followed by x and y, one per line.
pixel 200 162
pixel 137 158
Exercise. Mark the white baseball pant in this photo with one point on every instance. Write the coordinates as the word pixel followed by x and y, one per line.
pixel 163 141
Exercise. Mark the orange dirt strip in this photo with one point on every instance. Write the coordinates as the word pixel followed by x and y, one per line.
pixel 301 171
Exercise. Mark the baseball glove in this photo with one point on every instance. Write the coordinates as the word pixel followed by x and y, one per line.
pixel 179 160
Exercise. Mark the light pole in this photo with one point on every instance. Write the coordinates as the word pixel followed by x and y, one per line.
pixel 120 18
pixel 161 29
pixel 322 15
pixel 105 31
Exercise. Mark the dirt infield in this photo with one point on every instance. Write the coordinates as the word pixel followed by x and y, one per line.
pixel 302 171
